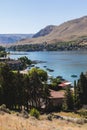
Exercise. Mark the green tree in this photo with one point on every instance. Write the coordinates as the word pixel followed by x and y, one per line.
pixel 81 91
pixel 38 89
pixel 1 95
pixel 7 85
pixel 77 103
pixel 2 48
pixel 27 92
pixel 25 61
pixel 55 82
pixel 83 88
pixel 3 54
pixel 42 74
pixel 68 101
pixel 19 90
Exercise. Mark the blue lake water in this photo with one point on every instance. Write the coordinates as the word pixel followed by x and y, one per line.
pixel 64 63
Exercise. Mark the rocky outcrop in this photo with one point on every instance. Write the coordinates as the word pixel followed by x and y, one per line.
pixel 23 114
pixel 3 109
pixel 69 119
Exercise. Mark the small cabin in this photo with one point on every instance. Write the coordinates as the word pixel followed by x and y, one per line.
pixel 56 98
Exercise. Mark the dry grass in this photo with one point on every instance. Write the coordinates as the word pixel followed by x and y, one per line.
pixel 13 122
pixel 69 114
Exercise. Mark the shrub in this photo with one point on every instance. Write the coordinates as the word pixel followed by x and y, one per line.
pixel 34 112
pixel 83 113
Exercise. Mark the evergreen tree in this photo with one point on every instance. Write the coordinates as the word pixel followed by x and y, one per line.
pixel 68 101
pixel 7 85
pixel 75 94
pixel 82 84
pixel 27 92
pixel 80 91
pixel 1 95
pixel 77 103
pixel 19 89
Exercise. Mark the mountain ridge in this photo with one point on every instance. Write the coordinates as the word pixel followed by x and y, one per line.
pixel 45 31
pixel 12 38
pixel 68 31
pixel 72 30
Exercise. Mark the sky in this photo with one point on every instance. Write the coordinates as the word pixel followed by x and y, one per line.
pixel 29 16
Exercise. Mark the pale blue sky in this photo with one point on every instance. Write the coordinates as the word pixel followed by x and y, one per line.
pixel 29 16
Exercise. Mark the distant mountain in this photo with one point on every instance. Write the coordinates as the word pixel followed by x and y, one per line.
pixel 12 38
pixel 68 31
pixel 45 31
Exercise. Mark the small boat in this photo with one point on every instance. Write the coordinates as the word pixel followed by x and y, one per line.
pixel 32 65
pixel 73 76
pixel 44 66
pixel 50 70
pixel 37 67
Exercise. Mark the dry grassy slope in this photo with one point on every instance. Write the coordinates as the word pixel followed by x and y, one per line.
pixel 67 31
pixel 13 122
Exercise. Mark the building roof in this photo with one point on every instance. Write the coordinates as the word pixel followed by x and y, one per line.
pixel 13 62
pixel 56 94
pixel 64 84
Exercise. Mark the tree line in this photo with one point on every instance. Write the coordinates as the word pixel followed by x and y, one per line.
pixel 32 91
pixel 28 90
pixel 80 90
pixel 60 46
pixel 77 98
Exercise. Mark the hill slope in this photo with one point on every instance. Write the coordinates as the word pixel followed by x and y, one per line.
pixel 13 122
pixel 68 31
pixel 45 31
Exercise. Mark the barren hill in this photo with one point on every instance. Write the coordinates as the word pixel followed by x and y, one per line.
pixel 68 31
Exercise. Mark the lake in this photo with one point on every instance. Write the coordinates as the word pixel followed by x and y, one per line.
pixel 64 63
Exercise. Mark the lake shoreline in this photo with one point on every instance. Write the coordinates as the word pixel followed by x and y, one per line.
pixel 64 63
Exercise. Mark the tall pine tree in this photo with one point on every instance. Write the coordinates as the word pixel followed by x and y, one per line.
pixel 68 101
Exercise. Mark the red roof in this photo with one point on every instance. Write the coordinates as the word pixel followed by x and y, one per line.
pixel 64 84
pixel 57 94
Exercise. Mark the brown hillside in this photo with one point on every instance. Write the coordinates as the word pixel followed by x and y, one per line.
pixel 45 31
pixel 68 31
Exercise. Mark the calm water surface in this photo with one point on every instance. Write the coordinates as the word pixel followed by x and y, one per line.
pixel 64 63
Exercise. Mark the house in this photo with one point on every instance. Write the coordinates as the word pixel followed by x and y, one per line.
pixel 15 64
pixel 56 98
pixel 3 59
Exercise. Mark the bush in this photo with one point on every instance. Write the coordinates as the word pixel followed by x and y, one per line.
pixel 83 113
pixel 34 112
